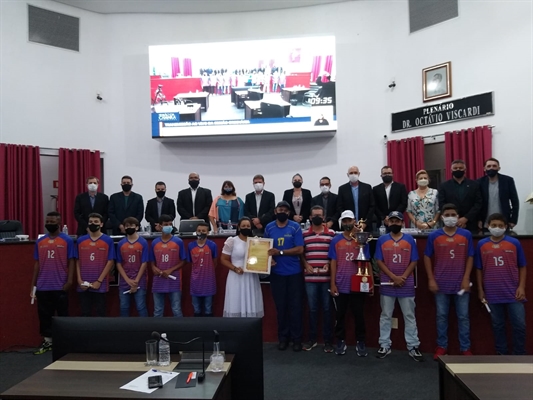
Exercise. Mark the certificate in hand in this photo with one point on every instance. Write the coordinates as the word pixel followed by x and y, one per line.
pixel 257 259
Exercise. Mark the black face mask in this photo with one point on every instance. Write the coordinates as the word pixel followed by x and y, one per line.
pixel 282 217
pixel 347 227
pixel 130 231
pixel 297 184
pixel 94 228
pixel 126 187
pixel 491 173
pixel 395 228
pixel 201 236
pixel 194 183
pixel 52 228
pixel 160 194
pixel 228 190
pixel 246 232
pixel 317 220
pixel 458 174
pixel 387 178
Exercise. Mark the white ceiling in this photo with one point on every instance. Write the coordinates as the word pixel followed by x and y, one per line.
pixel 189 6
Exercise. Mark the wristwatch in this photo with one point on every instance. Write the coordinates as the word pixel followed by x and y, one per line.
pixel 281 252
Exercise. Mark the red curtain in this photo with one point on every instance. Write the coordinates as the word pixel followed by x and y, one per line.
pixel 75 166
pixel 21 193
pixel 406 158
pixel 328 64
pixel 187 67
pixel 315 68
pixel 472 145
pixel 175 63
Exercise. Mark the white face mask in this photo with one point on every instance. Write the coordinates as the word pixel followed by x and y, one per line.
pixel 258 187
pixel 93 187
pixel 353 178
pixel 496 232
pixel 324 189
pixel 450 222
pixel 423 182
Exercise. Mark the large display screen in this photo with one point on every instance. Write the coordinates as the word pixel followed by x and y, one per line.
pixel 243 88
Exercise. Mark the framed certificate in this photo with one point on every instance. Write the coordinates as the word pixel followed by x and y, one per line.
pixel 257 260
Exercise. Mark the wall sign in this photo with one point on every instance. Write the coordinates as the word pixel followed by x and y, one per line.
pixel 476 106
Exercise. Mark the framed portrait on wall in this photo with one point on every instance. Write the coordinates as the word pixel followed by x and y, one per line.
pixel 437 81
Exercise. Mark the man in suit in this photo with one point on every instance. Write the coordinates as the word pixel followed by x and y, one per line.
pixel 158 206
pixel 499 195
pixel 389 196
pixel 357 197
pixel 90 202
pixel 259 205
pixel 125 204
pixel 328 201
pixel 194 202
pixel 465 194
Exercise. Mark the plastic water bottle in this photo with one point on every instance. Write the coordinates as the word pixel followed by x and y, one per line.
pixel 307 224
pixel 164 350
pixel 217 358
pixel 230 225
pixel 65 229
pixel 382 229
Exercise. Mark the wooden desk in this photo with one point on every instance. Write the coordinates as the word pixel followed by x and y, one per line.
pixel 240 97
pixel 99 376
pixel 191 112
pixel 252 109
pixel 201 98
pixel 294 93
pixel 486 377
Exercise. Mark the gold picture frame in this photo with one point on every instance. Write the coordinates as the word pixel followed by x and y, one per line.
pixel 437 81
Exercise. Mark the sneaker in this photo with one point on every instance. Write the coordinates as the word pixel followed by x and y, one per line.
pixel 439 351
pixel 328 348
pixel 308 346
pixel 415 354
pixel 45 346
pixel 466 353
pixel 360 348
pixel 341 348
pixel 383 352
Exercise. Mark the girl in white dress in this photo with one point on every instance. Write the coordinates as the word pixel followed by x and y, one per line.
pixel 243 290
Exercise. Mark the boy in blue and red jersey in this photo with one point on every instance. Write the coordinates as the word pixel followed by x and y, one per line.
pixel 203 257
pixel 133 255
pixel 55 256
pixel 501 276
pixel 397 256
pixel 96 256
pixel 168 257
pixel 453 250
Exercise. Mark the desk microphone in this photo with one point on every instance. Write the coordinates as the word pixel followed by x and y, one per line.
pixel 201 375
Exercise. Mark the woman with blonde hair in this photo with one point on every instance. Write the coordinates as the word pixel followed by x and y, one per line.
pixel 423 203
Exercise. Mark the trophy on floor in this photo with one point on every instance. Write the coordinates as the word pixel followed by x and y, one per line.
pixel 363 281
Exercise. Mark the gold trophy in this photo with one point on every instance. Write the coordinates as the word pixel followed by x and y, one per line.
pixel 362 238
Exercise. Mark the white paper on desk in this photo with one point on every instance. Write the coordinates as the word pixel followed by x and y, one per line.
pixel 140 384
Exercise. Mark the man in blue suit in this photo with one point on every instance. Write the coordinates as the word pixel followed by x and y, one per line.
pixel 499 194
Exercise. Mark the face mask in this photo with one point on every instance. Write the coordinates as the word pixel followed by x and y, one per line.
pixel 52 228
pixel 353 178
pixel 450 222
pixel 246 232
pixel 491 173
pixel 347 227
pixel 201 236
pixel 423 182
pixel 160 194
pixel 458 174
pixel 395 228
pixel 317 220
pixel 496 232
pixel 258 187
pixel 130 231
pixel 126 187
pixel 194 183
pixel 167 230
pixel 324 189
pixel 297 184
pixel 387 178
pixel 282 217
pixel 94 228
pixel 93 187
pixel 228 190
